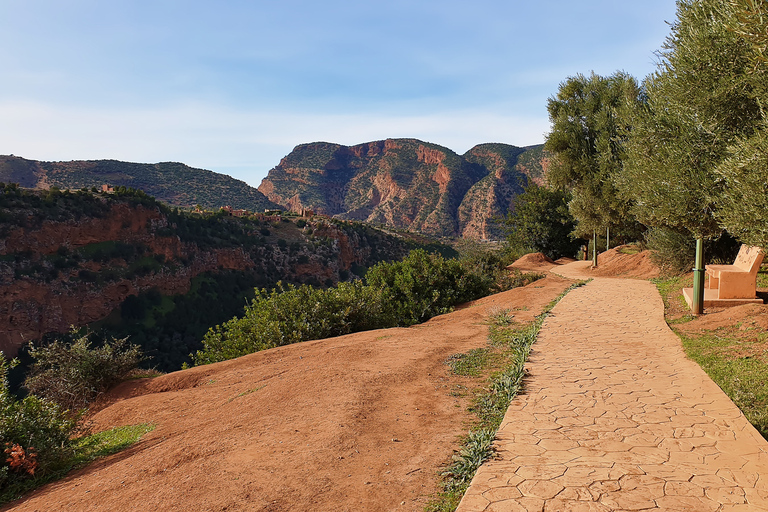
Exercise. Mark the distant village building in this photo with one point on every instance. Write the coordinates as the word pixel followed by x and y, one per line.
pixel 235 212
pixel 307 213
pixel 109 189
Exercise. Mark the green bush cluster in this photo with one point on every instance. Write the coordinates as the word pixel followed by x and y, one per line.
pixel 73 374
pixel 38 434
pixel 289 314
pixel 401 293
pixel 38 431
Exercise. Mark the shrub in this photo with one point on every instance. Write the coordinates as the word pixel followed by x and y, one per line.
pixel 73 375
pixel 423 285
pixel 35 434
pixel 290 314
pixel 675 252
pixel 400 293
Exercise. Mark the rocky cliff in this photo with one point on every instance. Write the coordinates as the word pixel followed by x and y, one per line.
pixel 405 184
pixel 71 259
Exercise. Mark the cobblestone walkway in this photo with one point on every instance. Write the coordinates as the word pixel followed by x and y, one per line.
pixel 614 418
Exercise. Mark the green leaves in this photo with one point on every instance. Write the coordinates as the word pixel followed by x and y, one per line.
pixel 590 120
pixel 691 166
pixel 73 375
pixel 400 293
pixel 541 221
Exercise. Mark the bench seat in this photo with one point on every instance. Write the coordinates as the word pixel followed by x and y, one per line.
pixel 737 281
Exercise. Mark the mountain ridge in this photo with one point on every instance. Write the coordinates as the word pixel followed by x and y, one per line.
pixel 406 184
pixel 173 183
pixel 399 183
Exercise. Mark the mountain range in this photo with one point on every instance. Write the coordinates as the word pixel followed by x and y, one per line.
pixel 399 183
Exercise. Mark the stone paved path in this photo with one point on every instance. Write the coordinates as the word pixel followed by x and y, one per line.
pixel 614 418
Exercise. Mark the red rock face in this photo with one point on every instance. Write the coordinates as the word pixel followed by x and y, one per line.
pixel 402 183
pixel 33 304
pixel 31 307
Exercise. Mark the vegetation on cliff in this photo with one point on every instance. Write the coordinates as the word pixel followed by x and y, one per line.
pixel 129 266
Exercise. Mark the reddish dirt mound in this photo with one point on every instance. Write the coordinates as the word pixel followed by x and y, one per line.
pixel 746 317
pixel 535 261
pixel 616 263
pixel 359 422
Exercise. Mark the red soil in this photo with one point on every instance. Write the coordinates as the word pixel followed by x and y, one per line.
pixel 359 422
pixel 615 263
pixel 747 317
pixel 612 263
pixel 535 261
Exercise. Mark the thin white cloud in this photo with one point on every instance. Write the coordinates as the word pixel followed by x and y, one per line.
pixel 242 143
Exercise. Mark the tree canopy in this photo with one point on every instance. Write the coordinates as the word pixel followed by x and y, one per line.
pixel 697 104
pixel 541 222
pixel 589 118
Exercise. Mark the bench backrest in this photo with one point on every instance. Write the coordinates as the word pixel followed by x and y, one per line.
pixel 749 259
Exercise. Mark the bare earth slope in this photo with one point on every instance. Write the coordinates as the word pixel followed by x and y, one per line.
pixel 359 422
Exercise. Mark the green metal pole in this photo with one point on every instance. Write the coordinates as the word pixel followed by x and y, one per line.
pixel 698 279
pixel 594 248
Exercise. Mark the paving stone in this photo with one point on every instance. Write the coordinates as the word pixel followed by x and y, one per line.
pixel 615 417
pixel 683 489
pixel 543 472
pixel 732 495
pixel 686 503
pixel 502 494
pixel 575 494
pixel 544 489
pixel 560 505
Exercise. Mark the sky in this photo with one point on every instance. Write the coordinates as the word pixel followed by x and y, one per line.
pixel 233 85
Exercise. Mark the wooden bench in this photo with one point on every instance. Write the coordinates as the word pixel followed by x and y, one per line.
pixel 737 281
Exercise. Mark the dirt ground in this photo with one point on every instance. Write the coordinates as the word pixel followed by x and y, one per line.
pixel 359 422
pixel 624 261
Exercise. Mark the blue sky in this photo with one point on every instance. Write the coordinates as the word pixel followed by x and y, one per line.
pixel 234 85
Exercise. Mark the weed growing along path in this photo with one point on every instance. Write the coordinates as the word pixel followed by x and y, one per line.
pixel 615 417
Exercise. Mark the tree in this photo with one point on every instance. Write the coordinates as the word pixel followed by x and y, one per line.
pixel 539 220
pixel 589 119
pixel 743 208
pixel 696 105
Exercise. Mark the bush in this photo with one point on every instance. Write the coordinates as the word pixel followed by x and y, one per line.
pixel 73 375
pixel 401 293
pixel 35 434
pixel 675 252
pixel 424 285
pixel 290 314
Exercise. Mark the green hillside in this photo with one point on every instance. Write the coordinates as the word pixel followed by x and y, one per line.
pixel 173 183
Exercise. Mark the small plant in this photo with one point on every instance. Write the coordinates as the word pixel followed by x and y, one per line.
pixel 500 316
pixel 471 363
pixel 36 434
pixel 20 460
pixel 476 450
